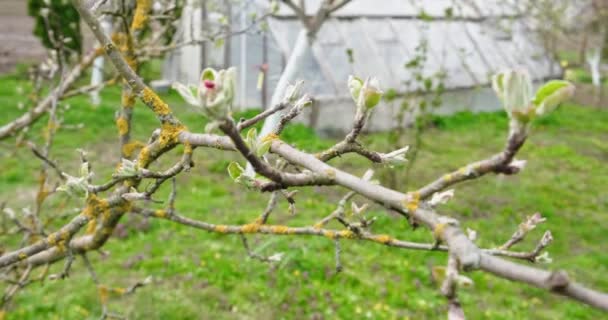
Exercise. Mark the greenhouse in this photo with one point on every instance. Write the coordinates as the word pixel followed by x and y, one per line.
pixel 465 40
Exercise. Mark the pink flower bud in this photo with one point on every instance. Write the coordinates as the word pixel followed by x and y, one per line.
pixel 209 84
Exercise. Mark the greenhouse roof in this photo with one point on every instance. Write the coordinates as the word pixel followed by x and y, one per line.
pixel 469 9
pixel 382 38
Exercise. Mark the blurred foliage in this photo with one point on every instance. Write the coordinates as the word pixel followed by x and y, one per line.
pixel 57 24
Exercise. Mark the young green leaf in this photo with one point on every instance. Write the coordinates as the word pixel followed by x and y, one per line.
pixel 263 147
pixel 551 94
pixel 354 86
pixel 235 170
pixel 208 74
pixel 252 137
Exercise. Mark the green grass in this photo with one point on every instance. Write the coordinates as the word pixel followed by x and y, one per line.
pixel 198 275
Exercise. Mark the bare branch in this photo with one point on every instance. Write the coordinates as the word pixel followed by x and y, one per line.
pixel 46 160
pixel 43 106
pixel 554 281
pixel 524 228
pixel 246 123
pixel 499 163
pixel 272 203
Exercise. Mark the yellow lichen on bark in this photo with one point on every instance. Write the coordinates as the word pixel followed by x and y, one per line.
pixel 50 128
pixel 42 191
pixel 141 14
pixel 280 229
pixel 160 213
pixel 119 291
pixel 125 206
pixel 131 61
pixel 250 228
pixel 169 133
pixel 329 234
pixel 144 157
pixel 91 226
pixel 412 202
pixel 120 40
pixel 438 231
pixel 52 239
pixel 95 207
pixel 129 148
pixel 221 228
pixel 41 196
pixel 152 100
pixel 63 239
pixel 103 294
pixel 124 44
pixel 64 235
pixel 346 234
pixel 187 148
pixel 98 52
pixel 383 238
pixel 127 99
pixel 270 137
pixel 123 125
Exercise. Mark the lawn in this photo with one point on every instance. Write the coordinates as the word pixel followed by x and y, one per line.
pixel 198 275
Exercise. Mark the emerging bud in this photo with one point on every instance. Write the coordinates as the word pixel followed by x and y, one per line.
pixel 371 92
pixel 44 12
pixel 471 234
pixel 448 221
pixel 531 222
pixel 463 281
pixel 365 94
pixel 516 166
pixel 276 257
pixel 134 196
pixel 215 92
pixel 543 258
pixel 75 186
pixel 84 170
pixel 546 239
pixel 10 213
pixel 209 84
pixel 367 176
pixel 514 88
pixel 396 157
pixel 293 91
pixel 358 211
pixel 187 93
pixel 441 197
pixel 127 169
pixel 274 7
pixel 303 102
pixel 354 86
